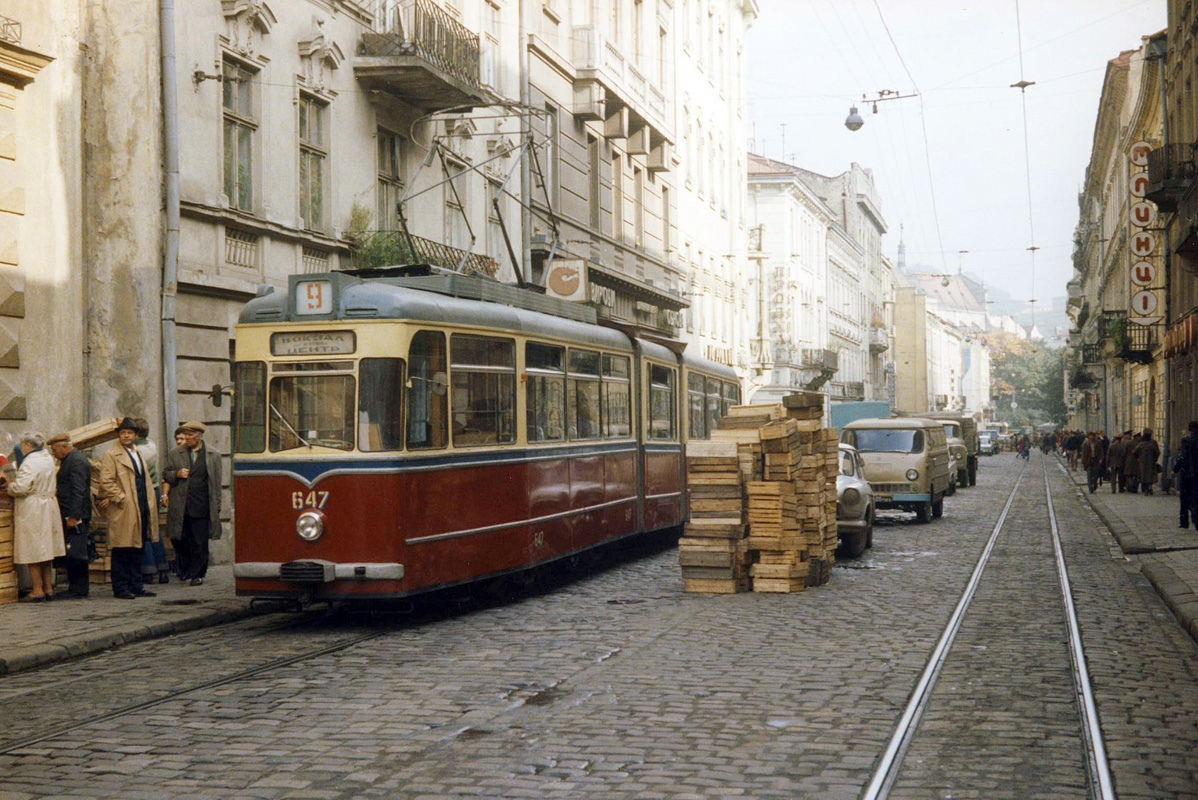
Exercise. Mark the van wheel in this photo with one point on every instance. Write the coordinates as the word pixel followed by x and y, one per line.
pixel 854 544
pixel 938 509
pixel 952 489
pixel 923 512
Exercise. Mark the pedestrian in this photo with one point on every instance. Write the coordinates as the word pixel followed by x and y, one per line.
pixel 193 514
pixel 153 557
pixel 75 509
pixel 37 527
pixel 1072 445
pixel 1131 463
pixel 1149 456
pixel 180 568
pixel 1114 462
pixel 1093 459
pixel 126 497
pixel 1185 468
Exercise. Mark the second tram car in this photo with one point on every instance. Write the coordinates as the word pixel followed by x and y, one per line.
pixel 394 435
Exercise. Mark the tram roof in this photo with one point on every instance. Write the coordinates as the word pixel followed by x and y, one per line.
pixel 358 299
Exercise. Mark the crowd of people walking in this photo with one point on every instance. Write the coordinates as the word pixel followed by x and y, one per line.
pixel 55 498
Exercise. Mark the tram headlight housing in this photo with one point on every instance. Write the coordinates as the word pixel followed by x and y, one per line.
pixel 310 526
pixel 912 475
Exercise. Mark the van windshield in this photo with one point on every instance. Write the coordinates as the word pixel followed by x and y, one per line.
pixel 888 441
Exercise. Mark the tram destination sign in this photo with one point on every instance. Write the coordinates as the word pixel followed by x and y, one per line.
pixel 313 343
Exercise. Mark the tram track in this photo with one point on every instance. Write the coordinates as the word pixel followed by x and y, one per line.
pixel 891 763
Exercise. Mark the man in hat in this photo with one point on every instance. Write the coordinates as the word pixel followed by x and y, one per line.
pixel 127 498
pixel 75 506
pixel 193 505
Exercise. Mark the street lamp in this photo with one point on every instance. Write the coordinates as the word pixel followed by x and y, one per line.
pixel 854 121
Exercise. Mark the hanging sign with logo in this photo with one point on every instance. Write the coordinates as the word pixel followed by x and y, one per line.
pixel 567 279
pixel 1145 305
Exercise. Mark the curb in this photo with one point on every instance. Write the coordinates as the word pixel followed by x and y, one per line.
pixel 25 658
pixel 1175 594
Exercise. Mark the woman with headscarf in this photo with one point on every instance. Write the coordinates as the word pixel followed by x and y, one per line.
pixel 37 525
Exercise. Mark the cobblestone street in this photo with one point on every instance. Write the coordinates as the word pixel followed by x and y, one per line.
pixel 619 684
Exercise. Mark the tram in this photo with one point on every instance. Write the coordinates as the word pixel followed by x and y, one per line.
pixel 398 434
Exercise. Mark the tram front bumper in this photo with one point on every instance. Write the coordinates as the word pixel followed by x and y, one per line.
pixel 317 571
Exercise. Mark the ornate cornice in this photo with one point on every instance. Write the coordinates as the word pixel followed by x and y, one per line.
pixel 18 65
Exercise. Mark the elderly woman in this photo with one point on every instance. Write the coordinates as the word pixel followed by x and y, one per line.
pixel 37 525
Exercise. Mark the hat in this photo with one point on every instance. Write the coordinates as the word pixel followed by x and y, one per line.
pixel 194 427
pixel 59 438
pixel 127 424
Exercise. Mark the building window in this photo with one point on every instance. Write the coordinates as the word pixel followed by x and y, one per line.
pixel 240 125
pixel 496 244
pixel 390 179
pixel 617 196
pixel 665 219
pixel 594 176
pixel 315 260
pixel 638 206
pixel 552 154
pixel 241 249
pixel 313 145
pixel 457 233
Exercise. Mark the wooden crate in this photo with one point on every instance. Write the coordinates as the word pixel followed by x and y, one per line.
pixel 8 587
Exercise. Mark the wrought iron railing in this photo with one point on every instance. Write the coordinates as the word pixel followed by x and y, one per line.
pixel 10 30
pixel 821 358
pixel 375 249
pixel 1170 167
pixel 422 28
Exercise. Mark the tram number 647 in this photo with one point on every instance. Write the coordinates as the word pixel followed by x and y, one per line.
pixel 299 500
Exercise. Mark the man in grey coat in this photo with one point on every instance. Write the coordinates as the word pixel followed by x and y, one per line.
pixel 193 472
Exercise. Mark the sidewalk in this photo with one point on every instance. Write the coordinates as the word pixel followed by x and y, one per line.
pixel 33 634
pixel 1147 532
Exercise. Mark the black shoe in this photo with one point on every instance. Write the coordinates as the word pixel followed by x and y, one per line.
pixel 197 581
pixel 145 593
pixel 125 596
pixel 71 596
pixel 164 577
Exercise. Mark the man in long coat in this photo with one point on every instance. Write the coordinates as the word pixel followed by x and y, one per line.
pixel 193 506
pixel 1148 453
pixel 127 498
pixel 1114 461
pixel 74 505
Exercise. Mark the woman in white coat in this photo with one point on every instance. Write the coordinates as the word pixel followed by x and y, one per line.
pixel 37 525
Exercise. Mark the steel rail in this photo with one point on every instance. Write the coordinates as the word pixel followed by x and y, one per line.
pixel 892 758
pixel 1101 783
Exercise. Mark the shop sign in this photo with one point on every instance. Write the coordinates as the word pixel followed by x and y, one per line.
pixel 1145 301
pixel 567 279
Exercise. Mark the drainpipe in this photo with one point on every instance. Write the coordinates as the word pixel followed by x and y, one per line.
pixel 526 161
pixel 170 251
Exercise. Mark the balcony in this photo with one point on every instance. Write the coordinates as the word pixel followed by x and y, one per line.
pixel 854 390
pixel 1170 174
pixel 1091 354
pixel 599 60
pixel 1136 343
pixel 377 249
pixel 879 340
pixel 418 53
pixel 1111 324
pixel 820 358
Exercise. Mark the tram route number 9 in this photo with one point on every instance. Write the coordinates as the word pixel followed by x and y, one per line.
pixel 300 500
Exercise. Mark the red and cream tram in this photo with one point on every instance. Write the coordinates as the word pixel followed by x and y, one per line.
pixel 398 434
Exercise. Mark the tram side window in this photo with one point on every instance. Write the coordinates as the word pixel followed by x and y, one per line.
pixel 428 406
pixel 380 404
pixel 583 399
pixel 731 397
pixel 696 416
pixel 662 423
pixel 483 390
pixel 714 405
pixel 616 392
pixel 249 407
pixel 546 390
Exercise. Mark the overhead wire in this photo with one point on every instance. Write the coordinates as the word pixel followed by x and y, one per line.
pixel 1027 161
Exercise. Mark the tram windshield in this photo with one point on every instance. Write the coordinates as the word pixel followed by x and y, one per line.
pixel 312 410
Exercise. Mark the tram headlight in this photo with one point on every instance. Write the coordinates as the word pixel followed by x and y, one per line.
pixel 912 475
pixel 310 526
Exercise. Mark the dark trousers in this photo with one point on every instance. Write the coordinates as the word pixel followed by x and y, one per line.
pixel 126 570
pixel 1094 476
pixel 1116 479
pixel 77 577
pixel 193 548
pixel 1187 497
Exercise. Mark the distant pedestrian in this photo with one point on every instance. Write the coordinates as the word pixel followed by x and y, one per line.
pixel 1186 470
pixel 1114 462
pixel 1149 453
pixel 126 497
pixel 1093 459
pixel 1131 463
pixel 75 508
pixel 1073 444
pixel 193 514
pixel 153 556
pixel 37 527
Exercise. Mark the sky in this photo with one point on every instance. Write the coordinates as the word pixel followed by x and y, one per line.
pixel 950 164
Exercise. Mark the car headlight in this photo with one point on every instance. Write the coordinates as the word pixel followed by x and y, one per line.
pixel 310 526
pixel 912 474
pixel 851 497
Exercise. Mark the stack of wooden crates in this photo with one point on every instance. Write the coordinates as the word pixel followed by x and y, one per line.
pixel 762 501
pixel 8 573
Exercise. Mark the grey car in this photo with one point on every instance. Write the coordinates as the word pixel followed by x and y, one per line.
pixel 854 505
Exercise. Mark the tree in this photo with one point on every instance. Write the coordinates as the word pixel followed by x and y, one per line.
pixel 1028 375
